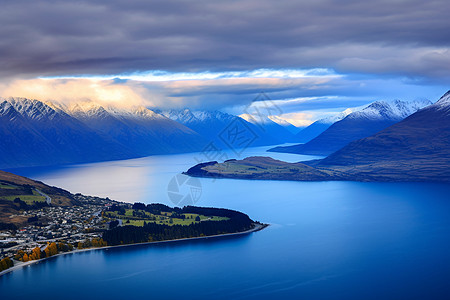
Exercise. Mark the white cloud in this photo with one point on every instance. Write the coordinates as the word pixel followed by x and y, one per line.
pixel 164 76
pixel 72 90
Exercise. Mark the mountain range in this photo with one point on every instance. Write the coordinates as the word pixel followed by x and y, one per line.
pixel 138 128
pixel 210 124
pixel 356 125
pixel 415 149
pixel 319 126
pixel 37 133
pixel 268 127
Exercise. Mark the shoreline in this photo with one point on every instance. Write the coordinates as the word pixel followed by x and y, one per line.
pixel 257 227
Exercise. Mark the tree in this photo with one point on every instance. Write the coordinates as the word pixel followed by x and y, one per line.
pixel 197 218
pixel 3 265
pixel 9 262
pixel 6 263
pixel 53 249
pixel 19 255
pixel 113 224
pixel 36 253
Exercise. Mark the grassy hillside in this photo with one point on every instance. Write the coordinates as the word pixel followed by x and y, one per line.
pixel 19 193
pixel 263 168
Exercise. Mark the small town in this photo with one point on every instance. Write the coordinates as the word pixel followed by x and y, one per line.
pixel 66 227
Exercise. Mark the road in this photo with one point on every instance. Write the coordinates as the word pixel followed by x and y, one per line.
pixel 47 198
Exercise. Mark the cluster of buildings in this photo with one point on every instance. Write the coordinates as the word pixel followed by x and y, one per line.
pixel 71 224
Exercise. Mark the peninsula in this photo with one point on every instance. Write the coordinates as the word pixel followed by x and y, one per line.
pixel 38 221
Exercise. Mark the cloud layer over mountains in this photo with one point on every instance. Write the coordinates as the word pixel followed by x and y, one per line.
pixel 402 37
pixel 212 51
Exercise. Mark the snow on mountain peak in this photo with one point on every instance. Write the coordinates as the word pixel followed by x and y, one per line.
pixel 147 113
pixel 90 109
pixel 396 110
pixel 444 101
pixel 261 120
pixel 280 121
pixel 204 115
pixel 337 117
pixel 183 116
pixel 32 109
pixel 5 108
pixel 187 116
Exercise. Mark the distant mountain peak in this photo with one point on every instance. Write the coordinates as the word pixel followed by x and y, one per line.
pixel 146 113
pixel 445 96
pixel 88 108
pixel 336 117
pixel 444 101
pixel 188 116
pixel 394 110
pixel 280 121
pixel 256 119
pixel 360 124
pixel 32 108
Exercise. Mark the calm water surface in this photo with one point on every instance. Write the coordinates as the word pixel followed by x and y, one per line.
pixel 328 240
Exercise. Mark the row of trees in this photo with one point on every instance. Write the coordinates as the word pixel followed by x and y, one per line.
pixel 237 222
pixel 55 248
pixel 37 253
pixel 91 243
pixel 157 209
pixel 36 204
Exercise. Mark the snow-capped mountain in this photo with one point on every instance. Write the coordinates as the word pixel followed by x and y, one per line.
pixel 320 126
pixel 33 133
pixel 287 125
pixel 414 149
pixel 37 133
pixel 211 124
pixel 267 126
pixel 443 104
pixel 336 117
pixel 383 110
pixel 375 117
pixel 137 127
pixel 32 109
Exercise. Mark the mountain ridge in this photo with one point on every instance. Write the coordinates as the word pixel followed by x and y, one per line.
pixel 356 125
pixel 416 149
pixel 319 126
pixel 37 133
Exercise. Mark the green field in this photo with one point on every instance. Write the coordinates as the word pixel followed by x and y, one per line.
pixel 163 218
pixel 29 199
pixel 7 186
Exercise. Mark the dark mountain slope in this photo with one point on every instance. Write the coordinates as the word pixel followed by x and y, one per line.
pixel 421 139
pixel 357 125
pixel 32 133
pixel 415 149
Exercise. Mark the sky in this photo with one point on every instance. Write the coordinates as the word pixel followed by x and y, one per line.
pixel 312 57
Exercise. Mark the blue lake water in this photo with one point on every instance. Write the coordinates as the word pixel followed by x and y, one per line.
pixel 327 240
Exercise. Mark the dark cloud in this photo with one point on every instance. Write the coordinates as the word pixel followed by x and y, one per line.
pixel 395 37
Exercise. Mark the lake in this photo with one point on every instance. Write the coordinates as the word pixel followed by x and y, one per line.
pixel 327 240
